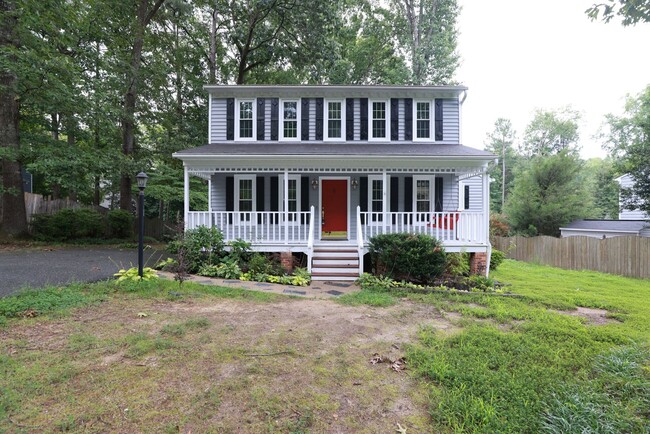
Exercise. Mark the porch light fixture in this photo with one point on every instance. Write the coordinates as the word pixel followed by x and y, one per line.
pixel 314 183
pixel 355 184
pixel 142 183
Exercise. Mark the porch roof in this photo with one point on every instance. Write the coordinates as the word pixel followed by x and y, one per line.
pixel 334 149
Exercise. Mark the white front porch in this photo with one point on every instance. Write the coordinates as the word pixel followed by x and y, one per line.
pixel 458 230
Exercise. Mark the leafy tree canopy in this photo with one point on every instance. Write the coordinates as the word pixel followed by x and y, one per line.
pixel 630 11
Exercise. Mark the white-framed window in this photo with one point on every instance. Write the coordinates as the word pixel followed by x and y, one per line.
pixel 290 116
pixel 245 125
pixel 422 120
pixel 378 120
pixel 294 198
pixel 245 196
pixel 423 190
pixel 334 119
pixel 376 197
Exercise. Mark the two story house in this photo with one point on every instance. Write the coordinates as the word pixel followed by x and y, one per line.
pixel 319 170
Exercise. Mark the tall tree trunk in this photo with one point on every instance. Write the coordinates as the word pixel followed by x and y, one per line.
pixel 143 17
pixel 212 60
pixel 72 140
pixel 56 121
pixel 13 197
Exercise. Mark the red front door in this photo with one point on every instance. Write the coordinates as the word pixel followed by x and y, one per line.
pixel 334 212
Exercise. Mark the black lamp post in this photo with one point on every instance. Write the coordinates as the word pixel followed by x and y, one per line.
pixel 142 183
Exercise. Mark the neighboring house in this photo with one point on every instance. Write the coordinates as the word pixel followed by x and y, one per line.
pixel 320 169
pixel 626 181
pixel 606 228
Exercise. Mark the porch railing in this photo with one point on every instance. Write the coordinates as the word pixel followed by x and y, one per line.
pixel 256 226
pixel 449 227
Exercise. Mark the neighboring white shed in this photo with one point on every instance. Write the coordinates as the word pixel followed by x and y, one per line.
pixel 626 181
pixel 606 228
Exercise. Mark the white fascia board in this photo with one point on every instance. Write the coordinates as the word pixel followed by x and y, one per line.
pixel 351 91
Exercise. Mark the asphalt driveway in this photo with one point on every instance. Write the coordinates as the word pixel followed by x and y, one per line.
pixel 37 268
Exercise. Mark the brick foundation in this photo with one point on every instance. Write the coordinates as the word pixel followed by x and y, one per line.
pixel 286 259
pixel 478 263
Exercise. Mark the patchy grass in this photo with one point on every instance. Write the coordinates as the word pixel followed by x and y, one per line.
pixel 516 360
pixel 156 357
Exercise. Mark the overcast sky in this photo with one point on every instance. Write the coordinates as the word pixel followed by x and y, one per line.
pixel 521 55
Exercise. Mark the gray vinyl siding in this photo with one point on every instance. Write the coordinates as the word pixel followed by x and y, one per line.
pixel 475 184
pixel 626 181
pixel 450 121
pixel 218 120
pixel 218 192
pixel 401 116
pixel 357 119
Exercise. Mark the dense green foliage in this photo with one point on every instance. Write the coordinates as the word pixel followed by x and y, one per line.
pixel 410 257
pixel 69 224
pixel 548 194
pixel 628 141
pixel 120 223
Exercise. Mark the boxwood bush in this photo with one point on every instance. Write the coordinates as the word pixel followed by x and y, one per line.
pixel 120 223
pixel 68 224
pixel 412 257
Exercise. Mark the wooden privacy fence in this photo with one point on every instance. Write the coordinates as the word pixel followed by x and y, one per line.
pixel 625 256
pixel 39 204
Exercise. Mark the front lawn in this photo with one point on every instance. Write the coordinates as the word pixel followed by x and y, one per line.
pixel 159 358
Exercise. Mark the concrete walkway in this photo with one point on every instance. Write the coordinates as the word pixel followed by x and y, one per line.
pixel 317 289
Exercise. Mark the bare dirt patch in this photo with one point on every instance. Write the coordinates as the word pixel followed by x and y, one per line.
pixel 247 367
pixel 592 315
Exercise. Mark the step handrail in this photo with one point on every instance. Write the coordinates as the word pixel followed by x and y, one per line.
pixel 310 240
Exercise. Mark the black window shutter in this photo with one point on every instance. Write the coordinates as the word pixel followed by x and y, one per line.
pixel 230 195
pixel 394 194
pixel 304 197
pixel 275 102
pixel 408 194
pixel 349 119
pixel 363 116
pixel 438 123
pixel 319 118
pixel 438 197
pixel 408 119
pixel 260 118
pixel 394 119
pixel 304 119
pixel 466 197
pixel 273 193
pixel 363 193
pixel 259 201
pixel 230 119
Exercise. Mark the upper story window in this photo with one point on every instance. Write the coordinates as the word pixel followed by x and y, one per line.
pixel 334 114
pixel 290 115
pixel 379 120
pixel 245 119
pixel 422 120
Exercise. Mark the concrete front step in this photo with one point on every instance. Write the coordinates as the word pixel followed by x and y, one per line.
pixel 335 263
pixel 334 276
pixel 335 270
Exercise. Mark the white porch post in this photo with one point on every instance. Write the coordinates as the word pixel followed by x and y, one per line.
pixel 210 194
pixel 186 196
pixel 384 200
pixel 486 206
pixel 286 206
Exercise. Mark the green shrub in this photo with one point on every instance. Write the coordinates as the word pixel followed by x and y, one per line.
pixel 411 257
pixel 120 223
pixel 68 224
pixel 201 246
pixel 496 258
pixel 131 274
pixel 457 264
pixel 228 269
pixel 240 251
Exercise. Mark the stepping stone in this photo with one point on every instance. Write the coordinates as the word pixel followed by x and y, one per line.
pixel 293 291
pixel 232 281
pixel 263 284
pixel 340 285
pixel 206 282
pixel 334 292
pixel 316 287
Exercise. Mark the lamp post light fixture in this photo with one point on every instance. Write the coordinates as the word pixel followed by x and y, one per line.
pixel 142 183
